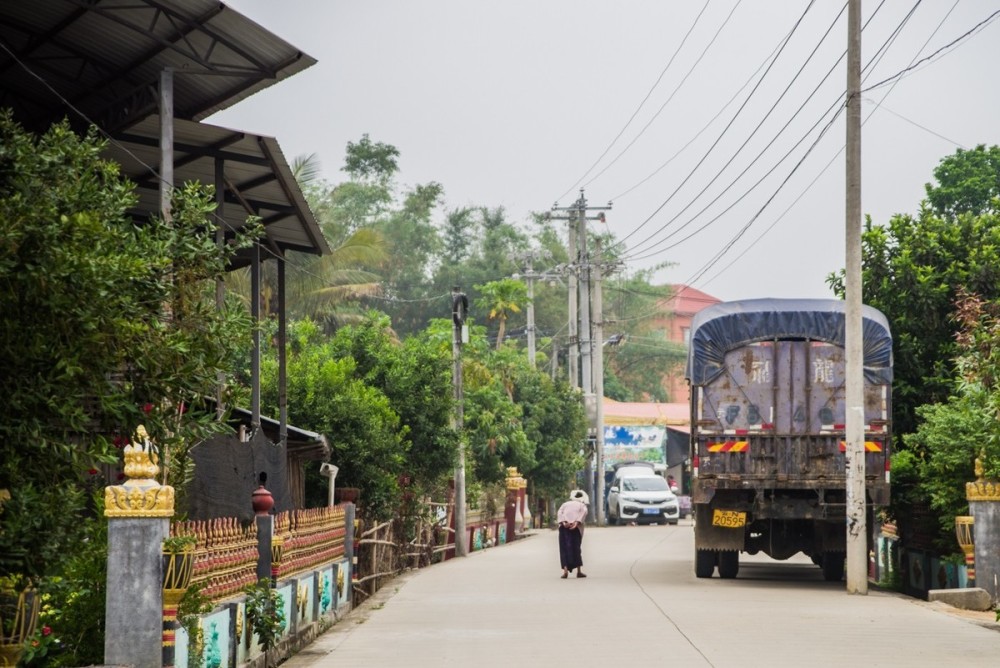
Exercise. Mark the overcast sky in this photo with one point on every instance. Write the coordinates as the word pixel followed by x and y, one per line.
pixel 514 103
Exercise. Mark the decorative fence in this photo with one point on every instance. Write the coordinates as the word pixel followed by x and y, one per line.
pixel 310 537
pixel 428 536
pixel 225 555
pixel 317 560
pixel 308 555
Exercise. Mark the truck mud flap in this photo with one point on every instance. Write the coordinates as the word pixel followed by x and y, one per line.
pixel 708 537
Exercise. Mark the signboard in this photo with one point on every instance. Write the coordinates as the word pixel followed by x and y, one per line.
pixel 634 443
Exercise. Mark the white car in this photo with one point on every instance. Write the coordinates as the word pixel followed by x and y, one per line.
pixel 642 499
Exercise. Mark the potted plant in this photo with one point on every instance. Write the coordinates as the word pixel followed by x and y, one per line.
pixel 178 563
pixel 19 606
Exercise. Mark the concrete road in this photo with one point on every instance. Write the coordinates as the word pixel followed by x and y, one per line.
pixel 642 606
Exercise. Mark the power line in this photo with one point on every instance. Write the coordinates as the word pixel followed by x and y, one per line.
pixel 726 129
pixel 874 61
pixel 877 58
pixel 669 98
pixel 740 149
pixel 637 109
pixel 705 127
pixel 649 252
pixel 841 149
pixel 979 26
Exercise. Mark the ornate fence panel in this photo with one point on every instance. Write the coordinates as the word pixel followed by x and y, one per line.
pixel 311 537
pixel 225 556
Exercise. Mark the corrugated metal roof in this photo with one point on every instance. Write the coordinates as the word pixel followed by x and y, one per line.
pixel 99 62
pixel 258 180
pixel 102 59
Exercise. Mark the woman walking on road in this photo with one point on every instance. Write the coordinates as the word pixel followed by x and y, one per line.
pixel 571 517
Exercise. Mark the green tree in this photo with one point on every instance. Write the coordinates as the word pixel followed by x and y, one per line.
pixel 328 289
pixel 554 421
pixel 371 161
pixel 106 324
pixel 499 299
pixel 326 395
pixel 415 376
pixel 912 271
pixel 941 453
pixel 967 182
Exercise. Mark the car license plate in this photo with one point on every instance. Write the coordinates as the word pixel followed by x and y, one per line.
pixel 729 518
pixel 650 511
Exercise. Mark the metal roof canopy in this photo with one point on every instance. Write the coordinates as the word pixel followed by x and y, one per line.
pixel 103 58
pixel 257 180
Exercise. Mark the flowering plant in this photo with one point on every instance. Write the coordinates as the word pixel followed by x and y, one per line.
pixel 38 646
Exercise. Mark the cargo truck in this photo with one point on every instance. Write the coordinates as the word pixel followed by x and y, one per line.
pixel 768 417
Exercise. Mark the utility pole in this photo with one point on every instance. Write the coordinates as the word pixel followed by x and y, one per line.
pixel 573 348
pixel 857 529
pixel 459 309
pixel 598 319
pixel 530 276
pixel 578 213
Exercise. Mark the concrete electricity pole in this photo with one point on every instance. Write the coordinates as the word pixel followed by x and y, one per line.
pixel 459 309
pixel 598 319
pixel 857 529
pixel 573 348
pixel 530 276
pixel 578 213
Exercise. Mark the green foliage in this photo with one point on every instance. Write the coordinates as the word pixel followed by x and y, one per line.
pixel 554 421
pixel 941 454
pixel 326 395
pixel 515 415
pixel 107 324
pixel 634 368
pixel 967 182
pixel 918 270
pixel 265 612
pixel 415 376
pixel 178 544
pixel 41 647
pixel 500 298
pixel 933 256
pixel 368 160
pixel 192 606
pixel 73 602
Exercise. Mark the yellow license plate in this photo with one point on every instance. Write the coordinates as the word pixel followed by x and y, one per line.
pixel 733 519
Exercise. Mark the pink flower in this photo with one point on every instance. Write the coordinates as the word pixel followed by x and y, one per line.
pixel 46 630
pixel 147 408
pixel 93 471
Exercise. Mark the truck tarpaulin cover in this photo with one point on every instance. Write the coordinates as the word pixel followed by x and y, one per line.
pixel 723 327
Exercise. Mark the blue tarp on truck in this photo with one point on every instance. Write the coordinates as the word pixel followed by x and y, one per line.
pixel 720 328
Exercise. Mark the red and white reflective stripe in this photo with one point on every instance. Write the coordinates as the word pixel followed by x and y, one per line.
pixel 694 465
pixel 887 466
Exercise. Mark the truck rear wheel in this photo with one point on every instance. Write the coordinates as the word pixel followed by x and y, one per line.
pixel 729 563
pixel 704 563
pixel 833 566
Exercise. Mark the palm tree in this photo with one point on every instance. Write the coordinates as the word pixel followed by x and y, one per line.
pixel 499 299
pixel 321 288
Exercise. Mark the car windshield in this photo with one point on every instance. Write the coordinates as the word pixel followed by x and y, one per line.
pixel 651 483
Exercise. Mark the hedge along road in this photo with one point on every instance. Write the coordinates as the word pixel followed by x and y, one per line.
pixel 642 605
